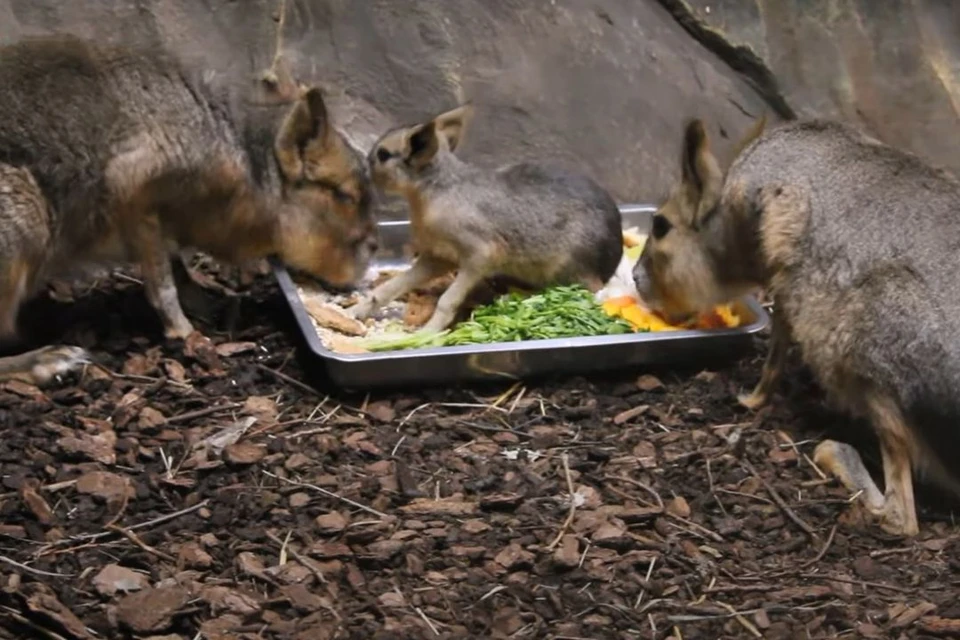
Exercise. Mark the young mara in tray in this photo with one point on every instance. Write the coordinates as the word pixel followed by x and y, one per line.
pixel 534 224
pixel 859 245
pixel 116 155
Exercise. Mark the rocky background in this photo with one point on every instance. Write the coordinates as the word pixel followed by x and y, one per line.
pixel 600 84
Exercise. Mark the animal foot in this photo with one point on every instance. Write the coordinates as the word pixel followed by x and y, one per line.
pixel 50 362
pixel 179 330
pixel 754 400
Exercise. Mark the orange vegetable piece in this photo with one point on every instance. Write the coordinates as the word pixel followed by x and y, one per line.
pixel 615 304
pixel 643 319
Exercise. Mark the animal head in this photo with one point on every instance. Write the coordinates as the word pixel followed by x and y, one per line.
pixel 399 157
pixel 677 274
pixel 329 229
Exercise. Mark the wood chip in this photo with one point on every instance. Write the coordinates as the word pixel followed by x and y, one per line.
pixel 151 610
pixel 630 414
pixel 425 506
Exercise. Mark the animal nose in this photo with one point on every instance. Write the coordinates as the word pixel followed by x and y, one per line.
pixel 641 280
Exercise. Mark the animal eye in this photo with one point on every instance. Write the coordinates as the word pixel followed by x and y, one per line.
pixel 382 155
pixel 342 196
pixel 661 226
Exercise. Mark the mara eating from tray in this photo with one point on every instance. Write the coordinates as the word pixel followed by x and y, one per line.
pixel 494 312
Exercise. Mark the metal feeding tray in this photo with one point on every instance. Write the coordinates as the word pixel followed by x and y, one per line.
pixel 517 360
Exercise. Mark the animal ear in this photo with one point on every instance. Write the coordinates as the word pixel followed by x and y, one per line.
pixel 422 144
pixel 307 122
pixel 452 124
pixel 701 174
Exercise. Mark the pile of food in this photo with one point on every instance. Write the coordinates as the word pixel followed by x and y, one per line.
pixel 558 312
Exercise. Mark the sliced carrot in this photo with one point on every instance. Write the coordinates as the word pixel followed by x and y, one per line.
pixel 643 319
pixel 730 318
pixel 618 302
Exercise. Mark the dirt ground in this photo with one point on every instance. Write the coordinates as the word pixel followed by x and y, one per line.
pixel 194 492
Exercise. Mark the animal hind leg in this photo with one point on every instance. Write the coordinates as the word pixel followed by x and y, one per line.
pixel 895 508
pixel 844 462
pixel 42 365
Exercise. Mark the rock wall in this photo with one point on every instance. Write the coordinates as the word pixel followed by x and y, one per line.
pixel 604 85
pixel 891 66
pixel 599 85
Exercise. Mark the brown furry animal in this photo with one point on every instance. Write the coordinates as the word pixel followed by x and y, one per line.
pixel 121 155
pixel 535 224
pixel 859 245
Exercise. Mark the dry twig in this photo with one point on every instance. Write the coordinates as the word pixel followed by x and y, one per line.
pixel 573 506
pixel 330 494
pixel 790 513
pixel 135 539
pixel 36 572
pixel 823 551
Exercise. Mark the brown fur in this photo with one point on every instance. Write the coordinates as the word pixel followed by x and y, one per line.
pixel 534 224
pixel 116 155
pixel 857 243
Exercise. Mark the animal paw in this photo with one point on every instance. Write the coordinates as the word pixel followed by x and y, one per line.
pixel 362 310
pixel 179 330
pixel 50 362
pixel 754 400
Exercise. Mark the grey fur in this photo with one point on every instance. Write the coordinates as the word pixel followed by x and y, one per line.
pixel 537 224
pixel 859 244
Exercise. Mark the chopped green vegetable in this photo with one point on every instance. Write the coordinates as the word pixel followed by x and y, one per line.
pixel 558 312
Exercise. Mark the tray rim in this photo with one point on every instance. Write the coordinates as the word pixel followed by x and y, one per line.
pixel 289 288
